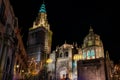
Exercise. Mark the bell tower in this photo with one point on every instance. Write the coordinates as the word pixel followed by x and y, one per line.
pixel 39 36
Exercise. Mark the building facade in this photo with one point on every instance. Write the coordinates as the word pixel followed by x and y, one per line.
pixel 88 62
pixel 63 62
pixel 21 58
pixel 9 42
pixel 39 39
pixel 116 72
pixel 92 65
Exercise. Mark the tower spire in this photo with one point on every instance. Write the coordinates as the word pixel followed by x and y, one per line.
pixel 91 29
pixel 42 8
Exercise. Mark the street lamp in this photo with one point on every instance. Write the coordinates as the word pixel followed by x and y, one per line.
pixel 17 66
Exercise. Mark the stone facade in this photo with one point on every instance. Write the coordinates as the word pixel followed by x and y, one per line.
pixel 88 62
pixel 94 65
pixel 21 58
pixel 9 41
pixel 62 62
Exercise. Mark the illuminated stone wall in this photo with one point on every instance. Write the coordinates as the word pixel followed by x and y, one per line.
pixel 8 40
pixel 93 64
pixel 64 61
pixel 91 70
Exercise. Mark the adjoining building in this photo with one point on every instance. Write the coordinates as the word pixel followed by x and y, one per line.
pixel 10 39
pixel 63 62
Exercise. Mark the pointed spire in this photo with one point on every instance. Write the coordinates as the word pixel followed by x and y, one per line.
pixel 42 8
pixel 91 29
pixel 107 54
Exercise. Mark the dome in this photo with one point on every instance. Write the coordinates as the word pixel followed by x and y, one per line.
pixel 92 39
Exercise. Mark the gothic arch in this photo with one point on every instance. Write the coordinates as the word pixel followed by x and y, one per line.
pixel 62 71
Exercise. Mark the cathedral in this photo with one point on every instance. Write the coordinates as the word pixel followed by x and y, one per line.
pixel 88 62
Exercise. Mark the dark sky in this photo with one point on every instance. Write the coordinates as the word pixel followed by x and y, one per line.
pixel 70 20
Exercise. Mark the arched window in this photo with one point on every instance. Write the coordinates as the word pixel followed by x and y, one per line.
pixel 66 54
pixel 92 54
pixel 88 55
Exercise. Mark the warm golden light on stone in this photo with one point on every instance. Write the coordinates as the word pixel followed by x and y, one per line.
pixel 49 60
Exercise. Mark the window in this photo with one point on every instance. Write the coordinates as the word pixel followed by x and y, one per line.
pixel 92 54
pixel 88 55
pixel 89 43
pixel 66 54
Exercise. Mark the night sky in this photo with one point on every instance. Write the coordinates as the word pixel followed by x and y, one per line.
pixel 70 21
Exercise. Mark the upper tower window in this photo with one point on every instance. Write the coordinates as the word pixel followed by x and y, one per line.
pixel 90 43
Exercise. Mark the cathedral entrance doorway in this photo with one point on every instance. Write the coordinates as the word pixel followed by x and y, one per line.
pixel 62 71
